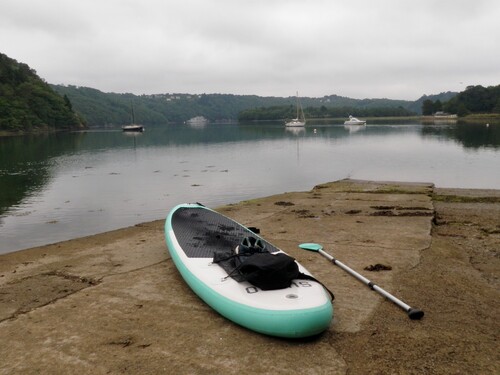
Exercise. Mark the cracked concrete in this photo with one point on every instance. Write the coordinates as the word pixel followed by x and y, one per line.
pixel 35 291
pixel 114 302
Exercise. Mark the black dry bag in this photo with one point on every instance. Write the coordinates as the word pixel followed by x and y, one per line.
pixel 269 271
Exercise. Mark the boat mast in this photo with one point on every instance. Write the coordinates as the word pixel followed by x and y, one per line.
pixel 297 105
pixel 133 113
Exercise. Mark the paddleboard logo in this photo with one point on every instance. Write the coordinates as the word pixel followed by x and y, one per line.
pixel 295 283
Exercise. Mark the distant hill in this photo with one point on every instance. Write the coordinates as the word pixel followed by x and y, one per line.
pixel 442 97
pixel 101 108
pixel 28 103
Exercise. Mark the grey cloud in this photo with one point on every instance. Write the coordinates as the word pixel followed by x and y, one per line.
pixel 358 48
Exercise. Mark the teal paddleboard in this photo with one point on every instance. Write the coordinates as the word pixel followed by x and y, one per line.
pixel 194 232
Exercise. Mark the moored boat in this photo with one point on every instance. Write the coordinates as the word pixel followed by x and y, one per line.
pixel 300 120
pixel 354 121
pixel 197 122
pixel 133 128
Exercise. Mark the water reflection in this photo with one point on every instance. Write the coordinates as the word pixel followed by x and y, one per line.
pixel 26 163
pixel 473 136
pixel 65 185
pixel 354 128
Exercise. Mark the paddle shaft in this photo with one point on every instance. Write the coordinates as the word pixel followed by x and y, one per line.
pixel 364 280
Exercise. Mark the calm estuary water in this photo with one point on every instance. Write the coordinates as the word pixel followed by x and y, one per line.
pixel 61 186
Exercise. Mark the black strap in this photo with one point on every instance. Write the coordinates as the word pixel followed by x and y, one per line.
pixel 231 263
pixel 309 277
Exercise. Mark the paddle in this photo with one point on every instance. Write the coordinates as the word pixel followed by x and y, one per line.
pixel 413 313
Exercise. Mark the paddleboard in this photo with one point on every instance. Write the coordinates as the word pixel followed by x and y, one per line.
pixel 194 232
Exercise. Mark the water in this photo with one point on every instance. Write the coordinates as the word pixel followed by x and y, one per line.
pixel 61 186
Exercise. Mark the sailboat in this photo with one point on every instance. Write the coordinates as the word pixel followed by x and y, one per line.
pixel 133 127
pixel 300 120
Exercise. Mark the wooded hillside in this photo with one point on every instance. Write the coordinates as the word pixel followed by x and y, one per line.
pixel 28 103
pixel 101 108
pixel 474 100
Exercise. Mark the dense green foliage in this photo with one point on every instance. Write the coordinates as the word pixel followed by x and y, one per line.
pixel 101 108
pixel 281 112
pixel 338 106
pixel 429 107
pixel 27 102
pixel 432 103
pixel 475 99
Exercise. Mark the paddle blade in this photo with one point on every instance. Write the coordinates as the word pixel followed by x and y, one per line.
pixel 311 246
pixel 415 314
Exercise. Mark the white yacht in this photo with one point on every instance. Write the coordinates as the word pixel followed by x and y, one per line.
pixel 354 121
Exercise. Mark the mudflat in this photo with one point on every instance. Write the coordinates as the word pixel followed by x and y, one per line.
pixel 114 302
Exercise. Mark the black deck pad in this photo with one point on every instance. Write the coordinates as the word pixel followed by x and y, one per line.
pixel 200 232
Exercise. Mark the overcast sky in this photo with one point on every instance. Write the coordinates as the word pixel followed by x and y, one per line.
pixel 398 49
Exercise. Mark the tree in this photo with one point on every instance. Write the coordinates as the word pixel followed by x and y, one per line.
pixel 475 99
pixel 496 109
pixel 67 102
pixel 28 102
pixel 462 110
pixel 427 107
pixel 438 106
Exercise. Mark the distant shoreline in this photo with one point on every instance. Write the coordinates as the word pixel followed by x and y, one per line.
pixel 8 133
pixel 488 117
